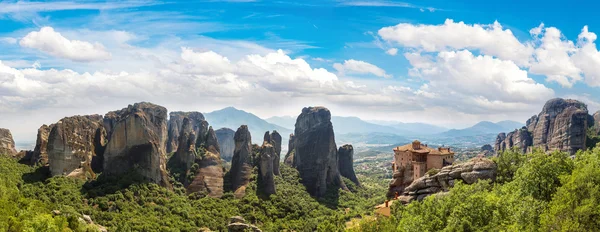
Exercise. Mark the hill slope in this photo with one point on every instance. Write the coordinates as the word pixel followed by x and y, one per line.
pixel 232 118
pixel 484 127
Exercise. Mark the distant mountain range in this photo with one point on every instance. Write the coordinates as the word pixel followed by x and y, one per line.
pixel 353 129
pixel 485 127
pixel 232 118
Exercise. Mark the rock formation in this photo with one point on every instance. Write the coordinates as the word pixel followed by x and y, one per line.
pixel 174 127
pixel 521 139
pixel 241 163
pixel 315 152
pixel 275 140
pixel 487 150
pixel 289 157
pixel 346 163
pixel 72 144
pixel 265 168
pixel 137 141
pixel 500 144
pixel 596 125
pixel 561 126
pixel 468 172
pixel 238 224
pixel 7 144
pixel 226 143
pixel 40 152
pixel 209 175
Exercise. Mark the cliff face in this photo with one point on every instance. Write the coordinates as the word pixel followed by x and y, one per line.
pixel 561 126
pixel 315 152
pixel 265 168
pixel 346 163
pixel 289 157
pixel 73 143
pixel 596 125
pixel 176 123
pixel 209 176
pixel 226 143
pixel 7 144
pixel 241 163
pixel 40 152
pixel 137 142
pixel 469 172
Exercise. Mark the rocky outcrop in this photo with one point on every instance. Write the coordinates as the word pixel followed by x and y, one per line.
pixel 468 172
pixel 176 123
pixel 487 150
pixel 402 178
pixel 596 124
pixel 7 144
pixel 346 163
pixel 208 178
pixel 275 140
pixel 500 144
pixel 289 156
pixel 72 144
pixel 241 163
pixel 226 143
pixel 137 141
pixel 40 152
pixel 561 126
pixel 315 152
pixel 265 168
pixel 238 224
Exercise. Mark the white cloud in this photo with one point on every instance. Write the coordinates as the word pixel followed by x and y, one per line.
pixel 490 39
pixel 32 6
pixel 49 41
pixel 477 81
pixel 392 51
pixel 587 58
pixel 360 67
pixel 553 57
pixel 8 40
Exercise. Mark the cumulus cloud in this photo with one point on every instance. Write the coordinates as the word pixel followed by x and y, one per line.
pixel 360 67
pixel 481 81
pixel 51 42
pixel 392 51
pixel 491 39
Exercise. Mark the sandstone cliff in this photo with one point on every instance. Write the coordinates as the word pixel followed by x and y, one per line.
pixel 176 123
pixel 596 125
pixel 289 157
pixel 226 143
pixel 137 141
pixel 561 126
pixel 40 152
pixel 208 178
pixel 241 163
pixel 346 163
pixel 315 152
pixel 275 140
pixel 468 172
pixel 265 168
pixel 72 144
pixel 7 144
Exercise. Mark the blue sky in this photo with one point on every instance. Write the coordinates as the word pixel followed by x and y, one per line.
pixel 450 63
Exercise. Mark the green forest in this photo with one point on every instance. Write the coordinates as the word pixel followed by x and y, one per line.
pixel 28 199
pixel 534 192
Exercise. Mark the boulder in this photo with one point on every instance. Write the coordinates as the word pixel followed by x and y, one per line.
pixel 241 163
pixel 40 152
pixel 7 144
pixel 137 141
pixel 346 163
pixel 265 168
pixel 226 143
pixel 238 224
pixel 315 151
pixel 72 144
